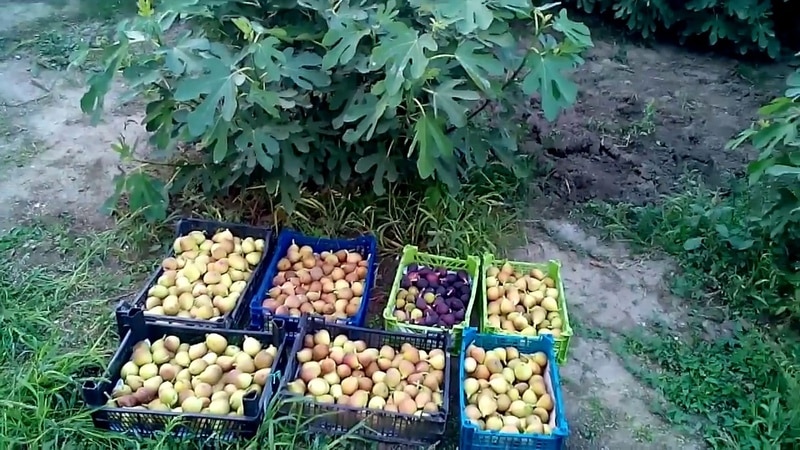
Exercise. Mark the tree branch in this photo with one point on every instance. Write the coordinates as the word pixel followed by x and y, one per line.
pixel 486 102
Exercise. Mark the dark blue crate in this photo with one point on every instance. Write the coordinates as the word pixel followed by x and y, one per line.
pixel 147 423
pixel 235 318
pixel 472 437
pixel 367 245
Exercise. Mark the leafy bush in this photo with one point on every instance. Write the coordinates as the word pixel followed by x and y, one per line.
pixel 750 26
pixel 293 93
pixel 774 188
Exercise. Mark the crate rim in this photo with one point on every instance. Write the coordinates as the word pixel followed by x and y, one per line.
pixel 367 240
pixel 559 432
pixel 391 321
pixel 439 417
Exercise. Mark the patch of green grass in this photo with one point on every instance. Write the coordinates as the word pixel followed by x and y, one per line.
pixel 598 419
pixel 706 231
pixel 55 293
pixel 744 388
pixel 737 387
pixel 483 216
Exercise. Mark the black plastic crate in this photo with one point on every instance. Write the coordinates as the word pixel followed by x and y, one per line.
pixel 146 423
pixel 377 425
pixel 233 319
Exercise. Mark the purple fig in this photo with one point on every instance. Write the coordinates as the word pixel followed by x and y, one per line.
pixel 451 278
pixel 466 289
pixel 458 284
pixel 442 308
pixel 432 278
pixel 421 304
pixel 422 283
pixel 463 275
pixel 413 267
pixel 448 320
pixel 456 304
pixel 405 283
pixel 459 315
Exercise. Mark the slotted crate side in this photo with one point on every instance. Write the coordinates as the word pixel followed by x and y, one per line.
pixel 412 255
pixel 553 269
pixel 146 423
pixel 389 427
pixel 234 318
pixel 366 245
pixel 473 438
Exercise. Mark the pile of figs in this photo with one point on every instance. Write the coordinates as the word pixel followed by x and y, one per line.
pixel 433 296
pixel 210 376
pixel 522 301
pixel 328 284
pixel 348 372
pixel 206 277
pixel 506 391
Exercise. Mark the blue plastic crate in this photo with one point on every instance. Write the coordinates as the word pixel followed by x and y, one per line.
pixel 472 437
pixel 367 245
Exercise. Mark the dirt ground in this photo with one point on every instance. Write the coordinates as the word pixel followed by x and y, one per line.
pixel 645 116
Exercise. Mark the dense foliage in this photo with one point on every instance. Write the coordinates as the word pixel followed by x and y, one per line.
pixel 297 93
pixel 774 190
pixel 749 26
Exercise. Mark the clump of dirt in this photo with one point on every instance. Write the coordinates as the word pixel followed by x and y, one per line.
pixel 644 118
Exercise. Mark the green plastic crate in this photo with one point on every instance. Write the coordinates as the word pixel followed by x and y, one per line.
pixel 553 270
pixel 411 255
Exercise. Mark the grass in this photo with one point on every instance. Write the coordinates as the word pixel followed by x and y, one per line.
pixel 722 265
pixel 733 378
pixel 55 291
pixel 483 216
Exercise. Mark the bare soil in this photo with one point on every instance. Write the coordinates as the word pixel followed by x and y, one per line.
pixel 52 161
pixel 611 146
pixel 645 117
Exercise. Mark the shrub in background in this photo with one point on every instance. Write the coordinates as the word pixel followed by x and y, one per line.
pixel 299 93
pixel 749 26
